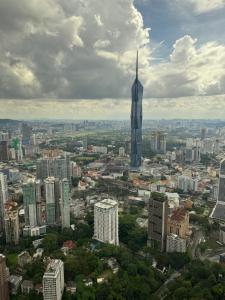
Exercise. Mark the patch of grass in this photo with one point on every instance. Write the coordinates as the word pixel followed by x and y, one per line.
pixel 11 260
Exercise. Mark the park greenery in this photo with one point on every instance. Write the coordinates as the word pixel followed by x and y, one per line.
pixel 136 278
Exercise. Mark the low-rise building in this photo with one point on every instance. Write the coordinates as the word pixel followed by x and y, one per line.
pixel 175 244
pixel 14 283
pixel 24 258
pixel 27 286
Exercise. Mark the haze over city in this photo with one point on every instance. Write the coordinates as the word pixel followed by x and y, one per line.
pixel 76 59
pixel 112 149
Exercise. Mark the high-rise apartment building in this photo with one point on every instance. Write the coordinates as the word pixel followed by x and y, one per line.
pixel 136 123
pixel 187 183
pixel 53 280
pixel 158 142
pixel 53 167
pixel 157 220
pixel 12 230
pixel 32 202
pixel 65 203
pixel 218 212
pixel 26 131
pixel 106 221
pixel 4 289
pixel 50 198
pixel 3 199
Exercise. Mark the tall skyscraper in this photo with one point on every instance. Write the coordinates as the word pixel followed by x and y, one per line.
pixel 106 221
pixel 218 212
pixel 3 199
pixel 12 229
pixel 65 203
pixel 53 280
pixel 136 122
pixel 157 220
pixel 4 289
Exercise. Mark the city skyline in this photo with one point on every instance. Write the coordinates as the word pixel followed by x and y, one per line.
pixel 74 60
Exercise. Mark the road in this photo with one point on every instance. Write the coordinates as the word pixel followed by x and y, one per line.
pixel 197 239
pixel 161 292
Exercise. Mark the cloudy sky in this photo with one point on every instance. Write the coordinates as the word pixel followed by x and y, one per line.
pixel 75 59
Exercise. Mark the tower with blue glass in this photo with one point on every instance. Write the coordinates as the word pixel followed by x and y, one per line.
pixel 136 122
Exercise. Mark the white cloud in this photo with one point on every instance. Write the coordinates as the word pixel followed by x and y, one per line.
pixel 204 6
pixel 192 70
pixel 86 49
pixel 72 48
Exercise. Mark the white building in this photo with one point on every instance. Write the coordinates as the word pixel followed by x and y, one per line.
pixel 175 244
pixel 53 280
pixel 106 221
pixel 100 149
pixel 50 200
pixel 121 151
pixel 173 200
pixel 3 198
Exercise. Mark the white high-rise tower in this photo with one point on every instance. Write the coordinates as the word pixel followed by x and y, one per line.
pixel 53 280
pixel 3 199
pixel 106 222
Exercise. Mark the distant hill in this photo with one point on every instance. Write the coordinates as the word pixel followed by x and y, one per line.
pixel 4 122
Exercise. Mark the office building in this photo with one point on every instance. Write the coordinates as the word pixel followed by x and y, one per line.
pixel 65 203
pixel 218 212
pixel 53 280
pixel 4 151
pixel 4 289
pixel 106 221
pixel 136 123
pixel 157 220
pixel 158 142
pixel 3 199
pixel 12 229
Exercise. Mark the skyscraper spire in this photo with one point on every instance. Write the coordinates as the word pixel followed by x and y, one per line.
pixel 137 66
pixel 136 122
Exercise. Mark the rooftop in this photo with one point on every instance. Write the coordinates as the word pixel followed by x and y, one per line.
pixel 106 203
pixel 178 214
